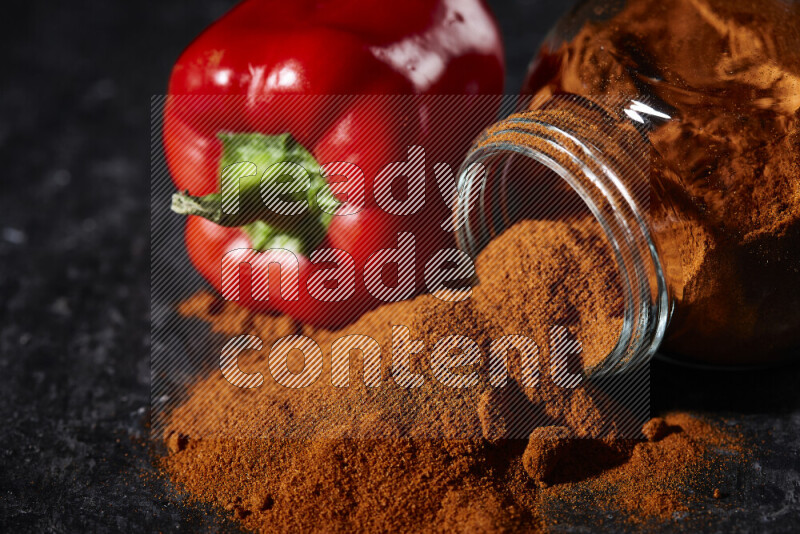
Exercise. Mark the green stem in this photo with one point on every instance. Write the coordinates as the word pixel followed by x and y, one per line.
pixel 251 210
pixel 208 206
pixel 247 160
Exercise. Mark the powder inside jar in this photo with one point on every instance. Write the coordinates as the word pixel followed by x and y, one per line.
pixel 725 198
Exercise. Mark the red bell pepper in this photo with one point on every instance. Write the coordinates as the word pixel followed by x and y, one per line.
pixel 274 67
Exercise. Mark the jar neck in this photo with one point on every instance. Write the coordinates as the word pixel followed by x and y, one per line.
pixel 573 148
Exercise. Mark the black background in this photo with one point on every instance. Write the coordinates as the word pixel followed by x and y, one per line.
pixel 77 78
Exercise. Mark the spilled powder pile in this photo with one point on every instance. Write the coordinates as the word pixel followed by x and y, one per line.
pixel 481 458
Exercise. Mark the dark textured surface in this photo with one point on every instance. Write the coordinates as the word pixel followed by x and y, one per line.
pixel 74 369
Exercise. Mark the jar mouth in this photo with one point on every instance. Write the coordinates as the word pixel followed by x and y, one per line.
pixel 513 175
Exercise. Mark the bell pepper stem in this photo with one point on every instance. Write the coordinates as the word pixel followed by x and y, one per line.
pixel 208 206
pixel 246 157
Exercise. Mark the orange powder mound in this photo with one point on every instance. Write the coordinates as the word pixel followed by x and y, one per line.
pixel 482 458
pixel 406 484
pixel 542 274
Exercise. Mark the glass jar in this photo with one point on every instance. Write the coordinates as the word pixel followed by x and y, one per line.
pixel 677 123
